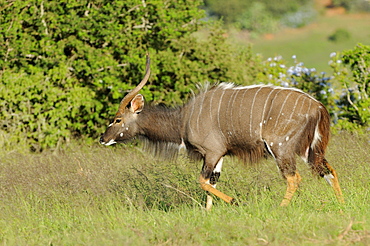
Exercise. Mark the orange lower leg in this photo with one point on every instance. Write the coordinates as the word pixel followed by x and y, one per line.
pixel 292 182
pixel 207 187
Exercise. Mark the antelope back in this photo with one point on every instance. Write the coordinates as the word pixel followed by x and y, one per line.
pixel 239 120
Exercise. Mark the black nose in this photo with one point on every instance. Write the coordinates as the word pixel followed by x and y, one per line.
pixel 101 140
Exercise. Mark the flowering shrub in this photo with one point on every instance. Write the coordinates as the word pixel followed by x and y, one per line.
pixel 307 79
pixel 345 93
pixel 351 71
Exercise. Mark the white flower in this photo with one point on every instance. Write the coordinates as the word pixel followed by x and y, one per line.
pixel 294 56
pixel 285 84
pixel 332 54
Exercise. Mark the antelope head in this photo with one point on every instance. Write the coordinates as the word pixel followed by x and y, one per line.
pixel 124 125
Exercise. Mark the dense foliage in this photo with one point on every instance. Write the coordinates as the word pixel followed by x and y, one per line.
pixel 66 65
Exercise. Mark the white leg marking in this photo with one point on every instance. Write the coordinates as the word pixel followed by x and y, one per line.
pixel 110 142
pixel 218 166
pixel 328 178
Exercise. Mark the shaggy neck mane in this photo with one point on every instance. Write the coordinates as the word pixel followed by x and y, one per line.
pixel 161 124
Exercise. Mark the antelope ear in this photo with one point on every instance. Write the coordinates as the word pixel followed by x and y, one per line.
pixel 137 104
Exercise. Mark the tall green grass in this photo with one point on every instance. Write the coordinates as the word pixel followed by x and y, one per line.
pixel 95 195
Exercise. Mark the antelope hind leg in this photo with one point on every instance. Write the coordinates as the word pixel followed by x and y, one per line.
pixel 332 179
pixel 292 186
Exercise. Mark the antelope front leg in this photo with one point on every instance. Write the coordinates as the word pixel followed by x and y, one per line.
pixel 292 186
pixel 205 184
pixel 208 180
pixel 213 180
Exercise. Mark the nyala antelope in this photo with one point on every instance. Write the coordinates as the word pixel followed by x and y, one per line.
pixel 242 121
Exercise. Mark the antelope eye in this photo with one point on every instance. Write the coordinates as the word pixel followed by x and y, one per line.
pixel 118 120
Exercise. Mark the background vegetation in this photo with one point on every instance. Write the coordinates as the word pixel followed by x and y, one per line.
pixel 261 16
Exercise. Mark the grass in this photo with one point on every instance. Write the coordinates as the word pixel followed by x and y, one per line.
pixel 95 195
pixel 311 44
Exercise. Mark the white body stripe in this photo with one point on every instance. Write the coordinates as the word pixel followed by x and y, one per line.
pixel 281 109
pixel 251 111
pixel 200 112
pixel 218 114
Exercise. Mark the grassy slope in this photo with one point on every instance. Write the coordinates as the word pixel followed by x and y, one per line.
pixel 310 44
pixel 108 196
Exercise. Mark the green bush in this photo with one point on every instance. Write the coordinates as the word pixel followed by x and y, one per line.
pixel 351 70
pixel 66 65
pixel 340 35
